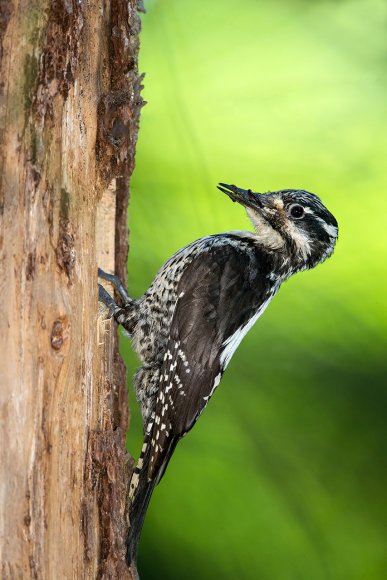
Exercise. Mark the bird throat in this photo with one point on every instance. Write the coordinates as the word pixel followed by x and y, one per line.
pixel 265 233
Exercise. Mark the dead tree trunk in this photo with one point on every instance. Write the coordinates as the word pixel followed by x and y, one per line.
pixel 69 112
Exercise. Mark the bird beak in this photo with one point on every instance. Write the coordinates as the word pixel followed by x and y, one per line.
pixel 243 196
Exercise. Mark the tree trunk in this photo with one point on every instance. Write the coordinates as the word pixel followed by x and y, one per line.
pixel 69 114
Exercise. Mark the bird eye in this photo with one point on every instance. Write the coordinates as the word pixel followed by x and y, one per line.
pixel 296 211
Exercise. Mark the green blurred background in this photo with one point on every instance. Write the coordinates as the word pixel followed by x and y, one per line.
pixel 285 474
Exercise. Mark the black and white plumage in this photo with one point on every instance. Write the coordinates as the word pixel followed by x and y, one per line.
pixel 201 304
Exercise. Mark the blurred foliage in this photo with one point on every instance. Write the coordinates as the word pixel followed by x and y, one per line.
pixel 285 474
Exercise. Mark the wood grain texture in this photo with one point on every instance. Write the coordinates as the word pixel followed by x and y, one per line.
pixel 69 111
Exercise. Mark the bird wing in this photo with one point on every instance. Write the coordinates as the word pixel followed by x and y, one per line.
pixel 218 294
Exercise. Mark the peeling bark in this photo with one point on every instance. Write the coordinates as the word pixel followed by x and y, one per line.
pixel 69 112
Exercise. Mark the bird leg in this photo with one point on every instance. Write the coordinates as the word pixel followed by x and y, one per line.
pixel 118 285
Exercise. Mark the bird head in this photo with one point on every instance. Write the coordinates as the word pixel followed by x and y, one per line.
pixel 290 220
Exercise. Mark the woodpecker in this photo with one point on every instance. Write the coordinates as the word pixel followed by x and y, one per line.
pixel 201 304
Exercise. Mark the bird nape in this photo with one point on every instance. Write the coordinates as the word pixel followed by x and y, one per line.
pixel 202 302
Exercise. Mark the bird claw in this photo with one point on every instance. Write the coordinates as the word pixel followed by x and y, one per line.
pixel 105 298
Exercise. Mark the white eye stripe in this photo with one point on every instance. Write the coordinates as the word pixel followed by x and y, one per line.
pixel 330 229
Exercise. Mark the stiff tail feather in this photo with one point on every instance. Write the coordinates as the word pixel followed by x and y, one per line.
pixel 140 493
pixel 137 513
pixel 141 489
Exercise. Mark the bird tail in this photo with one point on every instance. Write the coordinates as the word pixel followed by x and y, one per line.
pixel 137 513
pixel 144 479
pixel 140 493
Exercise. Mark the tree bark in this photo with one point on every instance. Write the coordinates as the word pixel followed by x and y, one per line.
pixel 69 110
